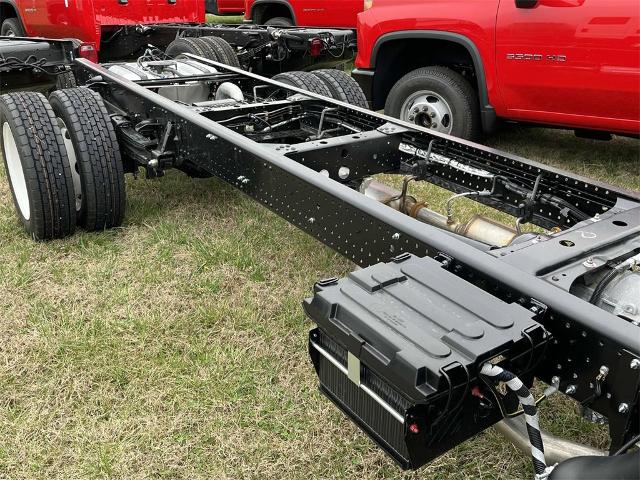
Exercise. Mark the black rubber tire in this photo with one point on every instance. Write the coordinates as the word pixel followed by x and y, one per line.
pixel 187 45
pixel 44 162
pixel 342 87
pixel 65 79
pixel 453 87
pixel 98 159
pixel 279 22
pixel 209 52
pixel 305 81
pixel 12 27
pixel 224 51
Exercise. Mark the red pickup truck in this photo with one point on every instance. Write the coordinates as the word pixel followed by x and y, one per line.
pixel 456 66
pixel 304 13
pixel 95 22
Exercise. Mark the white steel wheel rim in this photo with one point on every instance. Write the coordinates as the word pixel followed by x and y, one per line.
pixel 73 163
pixel 16 173
pixel 428 109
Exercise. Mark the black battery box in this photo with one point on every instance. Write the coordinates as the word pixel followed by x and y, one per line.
pixel 398 348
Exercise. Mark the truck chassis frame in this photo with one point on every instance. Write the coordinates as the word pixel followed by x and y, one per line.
pixel 263 49
pixel 312 162
pixel 286 179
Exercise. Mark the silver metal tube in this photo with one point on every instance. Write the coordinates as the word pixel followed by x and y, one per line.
pixel 322 115
pixel 229 90
pixel 556 449
pixel 477 228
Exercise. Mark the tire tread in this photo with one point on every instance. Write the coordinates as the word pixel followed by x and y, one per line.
pixel 342 87
pixel 45 165
pixel 305 81
pixel 98 156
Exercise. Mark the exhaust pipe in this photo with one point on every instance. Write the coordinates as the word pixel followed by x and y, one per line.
pixel 479 228
pixel 556 449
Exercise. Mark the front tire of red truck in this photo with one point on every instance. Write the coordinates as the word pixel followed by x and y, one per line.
pixel 11 27
pixel 279 22
pixel 439 99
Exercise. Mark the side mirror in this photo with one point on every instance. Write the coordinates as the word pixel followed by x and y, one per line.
pixel 526 3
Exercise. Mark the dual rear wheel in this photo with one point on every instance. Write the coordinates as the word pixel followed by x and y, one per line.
pixel 63 162
pixel 334 84
pixel 211 48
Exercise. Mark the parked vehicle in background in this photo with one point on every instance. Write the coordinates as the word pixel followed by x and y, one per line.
pixel 225 7
pixel 97 23
pixel 456 66
pixel 52 60
pixel 306 13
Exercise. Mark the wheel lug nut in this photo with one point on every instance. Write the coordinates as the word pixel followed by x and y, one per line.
pixel 424 109
pixel 432 114
pixel 434 125
pixel 411 118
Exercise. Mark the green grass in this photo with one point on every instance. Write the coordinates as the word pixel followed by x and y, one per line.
pixel 175 346
pixel 225 19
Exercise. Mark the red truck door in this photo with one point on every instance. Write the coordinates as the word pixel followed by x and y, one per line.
pixel 84 19
pixel 61 18
pixel 333 13
pixel 185 11
pixel 571 62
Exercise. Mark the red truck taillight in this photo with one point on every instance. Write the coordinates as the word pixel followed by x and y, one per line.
pixel 315 47
pixel 88 51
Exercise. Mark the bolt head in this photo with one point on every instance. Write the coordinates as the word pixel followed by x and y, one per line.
pixel 555 380
pixel 635 364
pixel 311 219
pixel 623 408
pixel 396 236
pixel 571 389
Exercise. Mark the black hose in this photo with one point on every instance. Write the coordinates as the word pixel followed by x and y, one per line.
pixel 602 285
pixel 623 449
pixel 528 403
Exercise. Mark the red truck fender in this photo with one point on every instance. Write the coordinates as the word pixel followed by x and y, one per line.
pixel 262 5
pixel 488 114
pixel 9 9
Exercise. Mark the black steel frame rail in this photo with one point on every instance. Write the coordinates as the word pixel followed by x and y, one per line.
pixel 368 232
